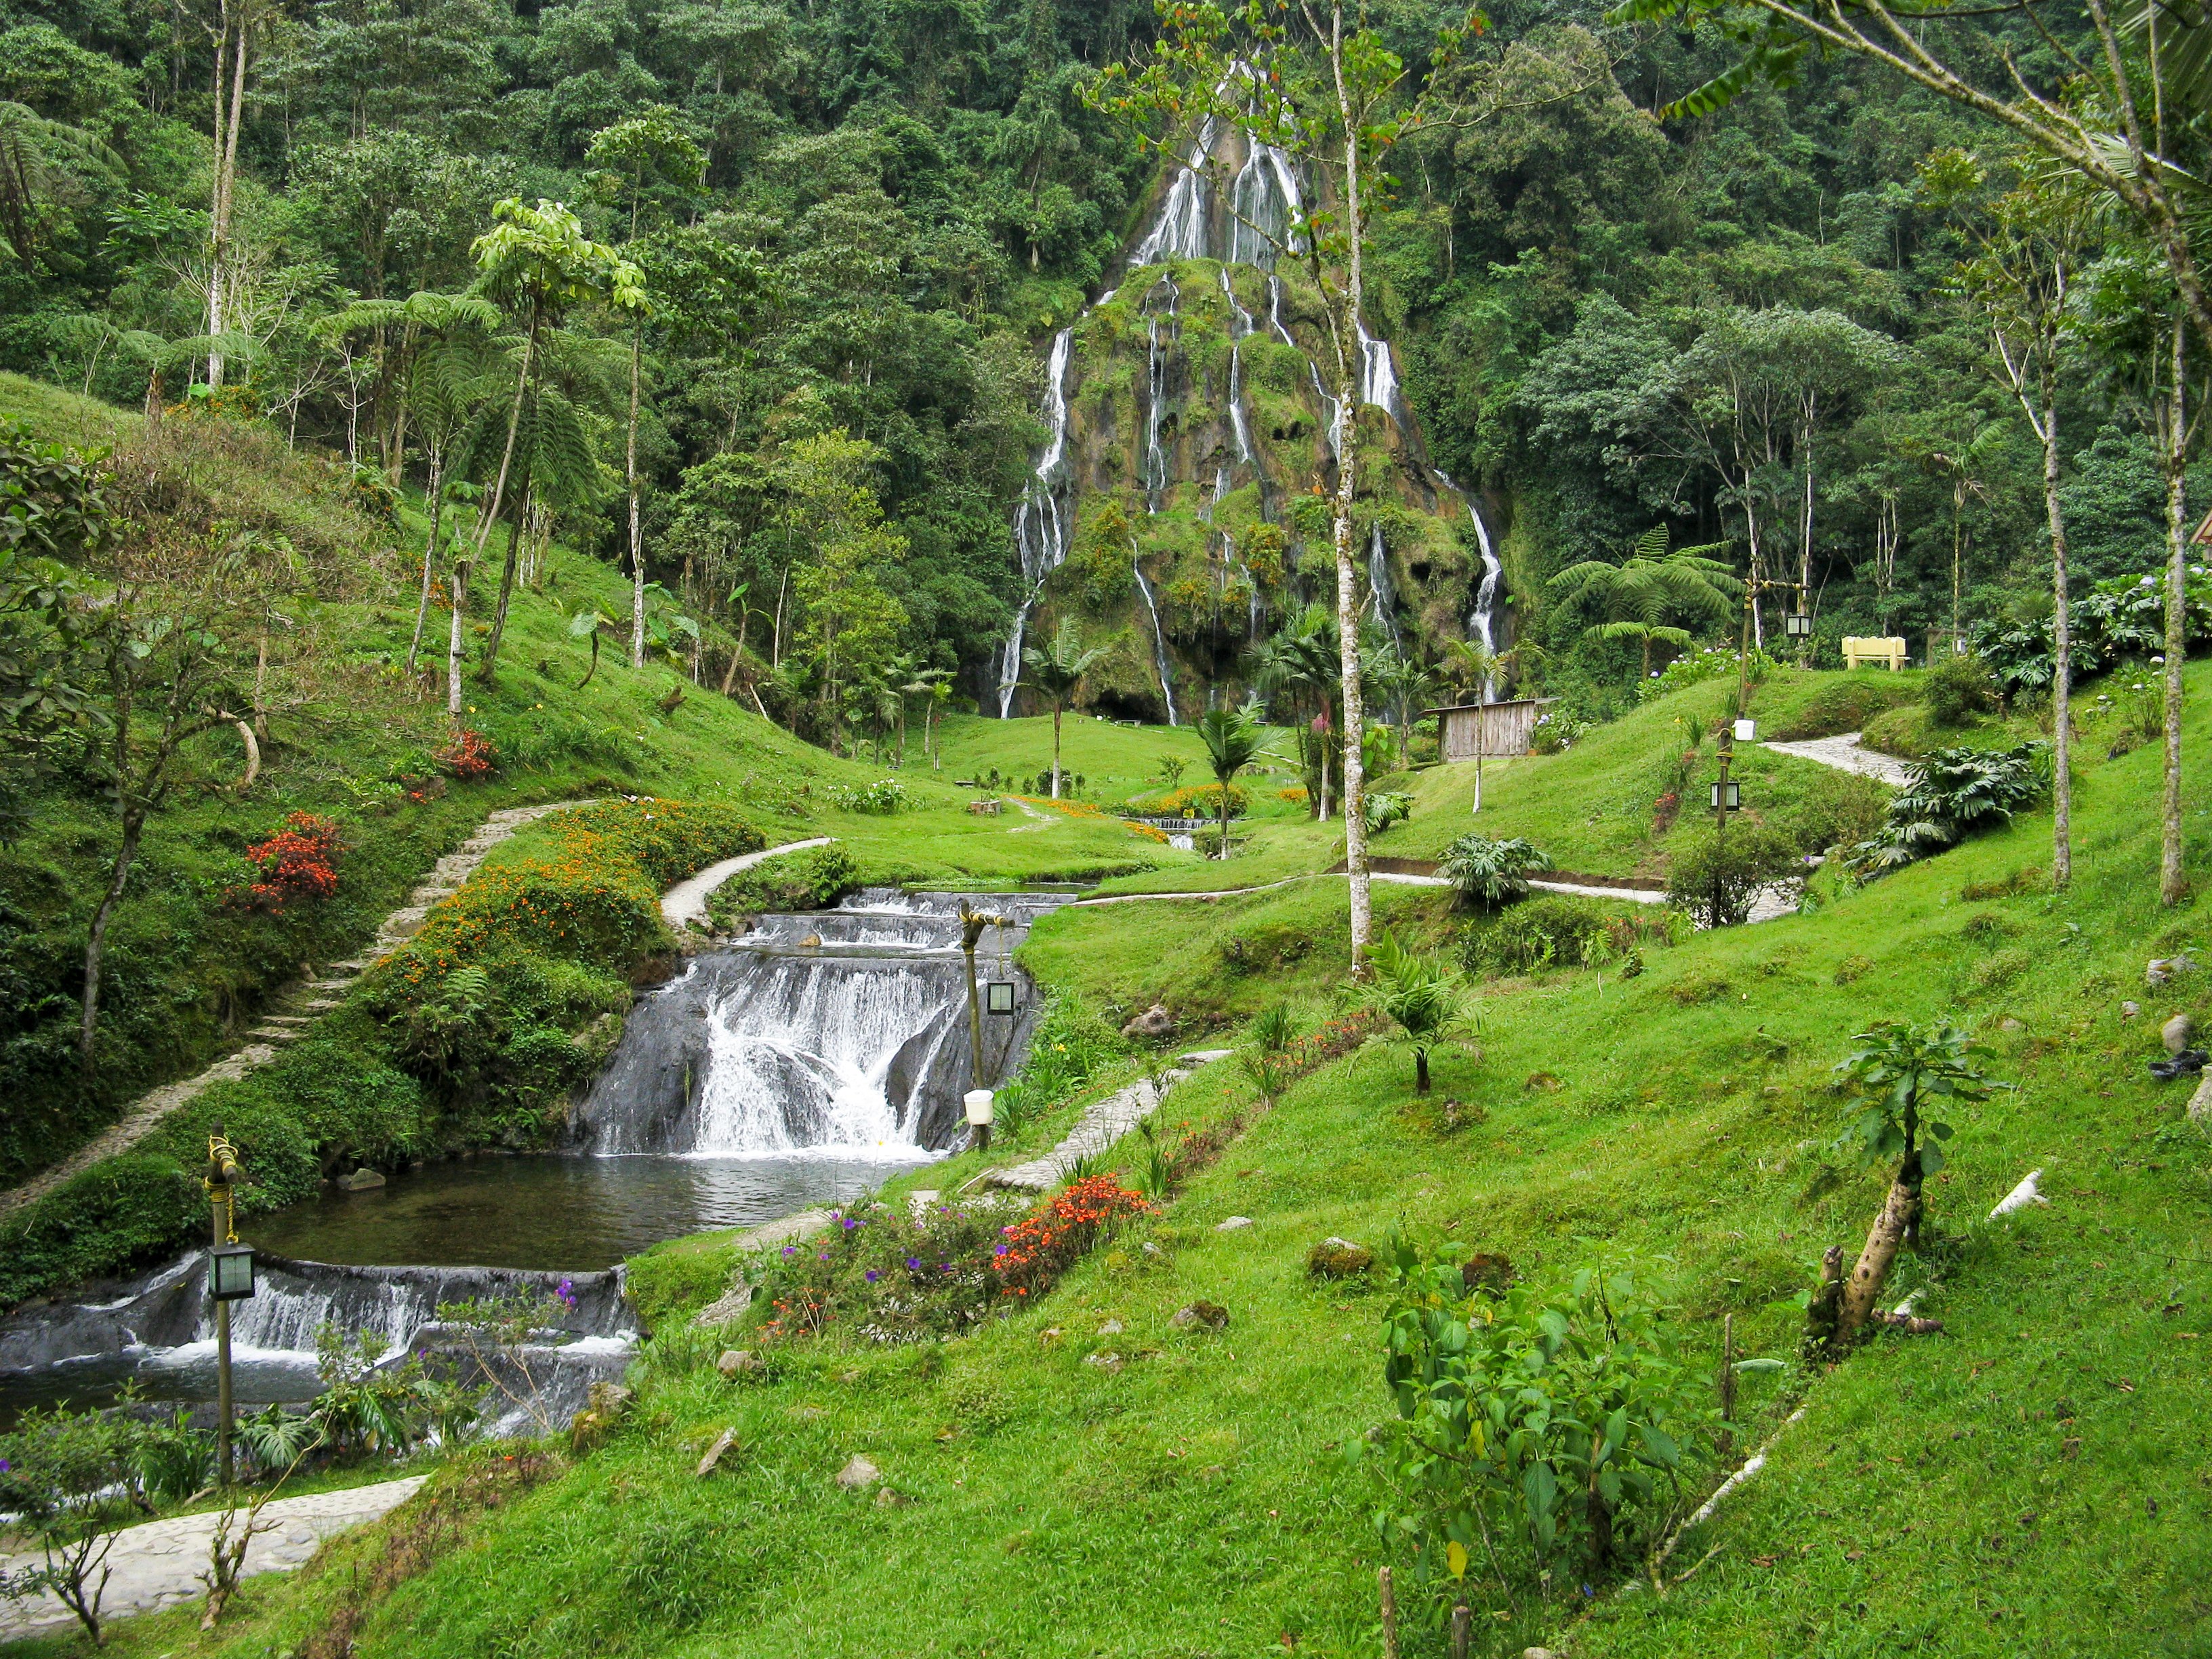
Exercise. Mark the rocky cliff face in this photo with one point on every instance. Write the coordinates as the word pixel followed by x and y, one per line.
pixel 1179 510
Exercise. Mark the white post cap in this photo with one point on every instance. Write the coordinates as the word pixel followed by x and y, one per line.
pixel 978 1101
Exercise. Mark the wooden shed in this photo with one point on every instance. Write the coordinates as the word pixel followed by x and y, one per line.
pixel 1489 728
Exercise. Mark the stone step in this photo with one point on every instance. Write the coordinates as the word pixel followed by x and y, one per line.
pixel 323 1004
pixel 275 1034
pixel 286 1019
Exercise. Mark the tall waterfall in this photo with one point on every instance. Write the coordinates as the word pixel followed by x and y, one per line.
pixel 841 1034
pixel 1159 637
pixel 1263 198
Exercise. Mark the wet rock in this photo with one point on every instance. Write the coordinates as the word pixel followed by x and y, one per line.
pixel 1339 1258
pixel 739 1362
pixel 1211 1315
pixel 1235 1224
pixel 2176 1033
pixel 1154 1023
pixel 2187 1063
pixel 611 1400
pixel 361 1180
pixel 724 1443
pixel 858 1475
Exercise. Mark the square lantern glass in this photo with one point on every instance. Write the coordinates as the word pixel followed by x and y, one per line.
pixel 999 997
pixel 230 1272
pixel 1799 627
pixel 1734 796
pixel 1746 730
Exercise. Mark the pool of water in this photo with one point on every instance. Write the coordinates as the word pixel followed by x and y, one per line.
pixel 572 1214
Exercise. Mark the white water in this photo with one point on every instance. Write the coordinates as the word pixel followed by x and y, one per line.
pixel 1159 637
pixel 1040 521
pixel 1380 594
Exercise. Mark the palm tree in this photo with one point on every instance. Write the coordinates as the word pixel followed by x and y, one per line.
pixel 923 683
pixel 1639 596
pixel 1417 994
pixel 1302 661
pixel 1234 738
pixel 1477 665
pixel 1056 673
pixel 538 262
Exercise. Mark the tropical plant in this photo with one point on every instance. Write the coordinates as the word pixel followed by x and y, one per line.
pixel 1490 873
pixel 1648 595
pixel 1057 673
pixel 1952 794
pixel 71 1481
pixel 1234 738
pixel 585 625
pixel 1155 1167
pixel 1421 995
pixel 1386 807
pixel 1532 1429
pixel 1899 1072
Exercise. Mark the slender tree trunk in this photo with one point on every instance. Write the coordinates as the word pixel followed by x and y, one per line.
pixel 1899 1218
pixel 2062 663
pixel 636 536
pixel 1347 470
pixel 453 644
pixel 134 822
pixel 1056 748
pixel 222 265
pixel 1420 1071
pixel 507 455
pixel 506 586
pixel 1223 784
pixel 2171 886
pixel 430 549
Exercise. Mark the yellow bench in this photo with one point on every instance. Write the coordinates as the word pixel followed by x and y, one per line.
pixel 1862 653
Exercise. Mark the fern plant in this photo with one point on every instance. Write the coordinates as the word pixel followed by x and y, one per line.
pixel 1491 873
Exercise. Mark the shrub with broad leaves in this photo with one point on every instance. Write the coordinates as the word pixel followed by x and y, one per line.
pixel 1491 872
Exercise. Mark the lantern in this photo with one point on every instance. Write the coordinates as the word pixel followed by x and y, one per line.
pixel 999 997
pixel 1734 796
pixel 1797 625
pixel 230 1272
pixel 978 1103
pixel 1746 730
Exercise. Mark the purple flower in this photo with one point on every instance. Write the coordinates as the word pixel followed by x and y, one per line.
pixel 791 1250
pixel 914 1264
pixel 870 1275
pixel 824 1256
pixel 5 1466
pixel 567 1293
pixel 850 1224
pixel 1002 1249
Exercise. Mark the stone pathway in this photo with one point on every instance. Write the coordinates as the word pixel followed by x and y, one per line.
pixel 158 1564
pixel 278 1030
pixel 1847 754
pixel 686 902
pixel 1101 1127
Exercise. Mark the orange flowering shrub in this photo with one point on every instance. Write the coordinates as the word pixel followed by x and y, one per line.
pixel 1035 1253
pixel 298 862
pixel 470 756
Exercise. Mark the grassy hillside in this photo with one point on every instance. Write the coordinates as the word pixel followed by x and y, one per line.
pixel 2032 1481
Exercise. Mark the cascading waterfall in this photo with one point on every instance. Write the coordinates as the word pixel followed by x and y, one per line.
pixel 1379 593
pixel 1159 636
pixel 1264 198
pixel 1040 521
pixel 837 1035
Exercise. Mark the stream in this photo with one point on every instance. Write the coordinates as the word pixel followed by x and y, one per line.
pixel 804 1063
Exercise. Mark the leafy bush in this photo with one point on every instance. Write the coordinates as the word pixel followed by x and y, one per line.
pixel 813 880
pixel 1419 995
pixel 470 756
pixel 1200 801
pixel 1532 1430
pixel 1491 873
pixel 1716 878
pixel 1836 809
pixel 1952 794
pixel 299 861
pixel 1710 662
pixel 1554 930
pixel 2118 619
pixel 1385 808
pixel 1558 730
pixel 882 798
pixel 1958 687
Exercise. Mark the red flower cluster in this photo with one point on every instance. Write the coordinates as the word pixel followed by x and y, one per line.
pixel 470 756
pixel 1336 1038
pixel 298 862
pixel 1038 1250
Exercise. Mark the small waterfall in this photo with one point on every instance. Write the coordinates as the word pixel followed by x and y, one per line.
pixel 1040 521
pixel 1378 376
pixel 1380 592
pixel 840 1034
pixel 1180 232
pixel 1240 325
pixel 1159 636
pixel 1156 460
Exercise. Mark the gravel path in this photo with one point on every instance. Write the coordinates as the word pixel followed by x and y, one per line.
pixel 278 1030
pixel 1846 754
pixel 686 902
pixel 1100 1127
pixel 159 1565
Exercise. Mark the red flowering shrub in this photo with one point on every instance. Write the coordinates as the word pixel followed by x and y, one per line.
pixel 298 862
pixel 1036 1252
pixel 470 756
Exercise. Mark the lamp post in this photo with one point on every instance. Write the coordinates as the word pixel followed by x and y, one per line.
pixel 230 1279
pixel 972 924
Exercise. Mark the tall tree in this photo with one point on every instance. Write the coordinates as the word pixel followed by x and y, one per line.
pixel 537 262
pixel 644 156
pixel 1057 673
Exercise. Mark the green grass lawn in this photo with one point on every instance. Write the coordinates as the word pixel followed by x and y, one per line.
pixel 2032 1481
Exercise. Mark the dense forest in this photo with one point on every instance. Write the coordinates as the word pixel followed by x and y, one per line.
pixel 850 226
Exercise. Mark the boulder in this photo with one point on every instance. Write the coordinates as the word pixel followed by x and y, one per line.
pixel 1339 1258
pixel 2129 1009
pixel 1111 1327
pixel 2162 969
pixel 361 1180
pixel 2176 1033
pixel 1154 1023
pixel 858 1475
pixel 726 1309
pixel 1211 1314
pixel 1235 1224
pixel 739 1362
pixel 1108 1363
pixel 611 1400
pixel 2008 1023
pixel 724 1442
pixel 2200 1105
